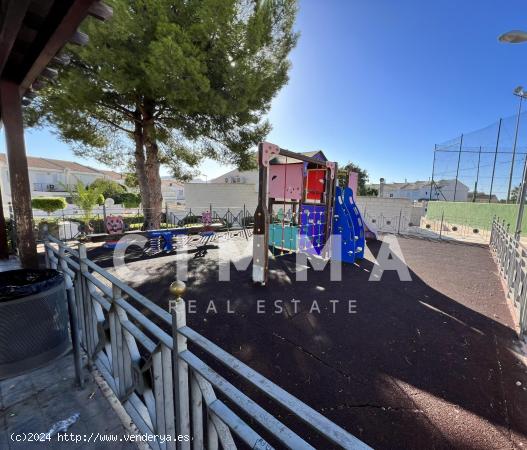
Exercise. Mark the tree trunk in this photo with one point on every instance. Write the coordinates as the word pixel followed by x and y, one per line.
pixel 140 168
pixel 152 166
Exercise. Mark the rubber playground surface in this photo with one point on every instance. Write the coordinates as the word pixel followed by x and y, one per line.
pixel 421 364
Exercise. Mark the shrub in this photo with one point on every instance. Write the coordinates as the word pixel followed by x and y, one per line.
pixel 109 188
pixel 128 199
pixel 49 204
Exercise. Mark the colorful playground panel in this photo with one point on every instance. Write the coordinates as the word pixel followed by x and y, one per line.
pixel 312 228
pixel 285 181
pixel 315 184
pixel 283 237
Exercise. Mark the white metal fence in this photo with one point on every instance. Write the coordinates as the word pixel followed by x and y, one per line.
pixel 511 257
pixel 166 389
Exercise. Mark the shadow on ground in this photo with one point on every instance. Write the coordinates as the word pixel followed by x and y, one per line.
pixel 427 363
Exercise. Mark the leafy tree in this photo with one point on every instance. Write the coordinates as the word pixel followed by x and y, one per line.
pixel 363 178
pixel 86 198
pixel 130 180
pixel 108 188
pixel 49 204
pixel 170 82
pixel 130 200
pixel 515 193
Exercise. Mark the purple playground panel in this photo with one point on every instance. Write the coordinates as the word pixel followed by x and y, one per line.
pixel 312 228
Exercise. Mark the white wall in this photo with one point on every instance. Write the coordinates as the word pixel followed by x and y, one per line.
pixel 246 176
pixel 384 213
pixel 199 196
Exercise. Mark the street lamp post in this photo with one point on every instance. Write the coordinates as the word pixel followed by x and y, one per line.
pixel 517 37
pixel 519 92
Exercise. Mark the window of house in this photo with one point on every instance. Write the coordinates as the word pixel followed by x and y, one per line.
pixel 391 195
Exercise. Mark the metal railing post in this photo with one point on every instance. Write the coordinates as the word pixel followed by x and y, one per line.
pixel 197 413
pixel 73 316
pixel 85 300
pixel 180 372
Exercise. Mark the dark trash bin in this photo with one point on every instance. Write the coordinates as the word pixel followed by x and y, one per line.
pixel 33 319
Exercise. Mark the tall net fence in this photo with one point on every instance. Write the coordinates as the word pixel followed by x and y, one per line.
pixel 486 161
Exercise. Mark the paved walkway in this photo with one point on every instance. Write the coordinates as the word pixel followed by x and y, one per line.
pixel 34 402
pixel 427 363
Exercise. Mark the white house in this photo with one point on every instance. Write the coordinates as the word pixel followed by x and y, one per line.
pixel 420 190
pixel 53 177
pixel 172 190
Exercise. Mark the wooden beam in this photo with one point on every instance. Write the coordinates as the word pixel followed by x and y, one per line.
pixel 261 225
pixel 50 73
pixel 300 157
pixel 4 247
pixel 62 33
pixel 13 18
pixel 10 103
pixel 79 38
pixel 63 59
pixel 100 11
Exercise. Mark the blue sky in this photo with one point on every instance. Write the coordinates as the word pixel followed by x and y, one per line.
pixel 379 82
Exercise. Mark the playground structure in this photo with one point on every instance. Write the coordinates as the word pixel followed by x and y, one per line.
pixel 300 206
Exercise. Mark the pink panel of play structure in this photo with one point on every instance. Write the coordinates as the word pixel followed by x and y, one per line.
pixel 288 176
pixel 353 182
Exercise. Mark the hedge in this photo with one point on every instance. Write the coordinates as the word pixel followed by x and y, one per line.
pixel 49 204
pixel 128 199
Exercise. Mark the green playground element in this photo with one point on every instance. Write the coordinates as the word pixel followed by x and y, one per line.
pixel 287 234
pixel 475 215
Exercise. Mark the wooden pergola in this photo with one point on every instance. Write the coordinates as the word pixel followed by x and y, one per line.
pixel 32 33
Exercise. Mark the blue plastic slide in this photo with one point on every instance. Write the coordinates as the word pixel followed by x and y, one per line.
pixel 347 222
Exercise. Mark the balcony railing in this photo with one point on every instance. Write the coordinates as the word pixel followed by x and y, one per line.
pixel 50 187
pixel 163 385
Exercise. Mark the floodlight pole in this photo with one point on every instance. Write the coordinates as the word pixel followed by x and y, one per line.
pixel 458 163
pixel 475 194
pixel 519 219
pixel 495 157
pixel 520 94
pixel 433 170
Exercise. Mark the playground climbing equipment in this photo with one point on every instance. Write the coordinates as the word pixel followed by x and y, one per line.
pixel 300 206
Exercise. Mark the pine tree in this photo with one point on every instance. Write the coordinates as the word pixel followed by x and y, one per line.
pixel 170 82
